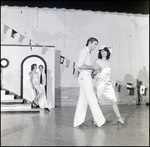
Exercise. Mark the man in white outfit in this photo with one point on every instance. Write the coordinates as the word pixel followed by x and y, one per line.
pixel 87 95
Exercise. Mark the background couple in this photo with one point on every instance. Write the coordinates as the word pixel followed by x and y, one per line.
pixel 38 82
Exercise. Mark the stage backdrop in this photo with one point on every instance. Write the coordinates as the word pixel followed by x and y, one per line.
pixel 68 31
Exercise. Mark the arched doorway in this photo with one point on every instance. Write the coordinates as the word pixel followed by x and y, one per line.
pixel 26 90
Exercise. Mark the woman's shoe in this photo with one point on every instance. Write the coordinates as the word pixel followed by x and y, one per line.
pixel 120 121
pixel 34 105
pixel 47 109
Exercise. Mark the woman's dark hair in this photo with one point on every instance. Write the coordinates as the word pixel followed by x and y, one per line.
pixel 32 66
pixel 108 53
pixel 91 39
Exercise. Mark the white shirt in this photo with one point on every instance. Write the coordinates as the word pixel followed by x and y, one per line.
pixel 84 57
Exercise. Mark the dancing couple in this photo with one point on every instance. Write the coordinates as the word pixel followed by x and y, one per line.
pixel 101 72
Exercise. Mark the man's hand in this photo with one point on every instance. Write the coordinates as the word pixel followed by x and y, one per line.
pixel 95 72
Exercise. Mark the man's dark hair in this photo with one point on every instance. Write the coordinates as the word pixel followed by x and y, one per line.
pixel 91 39
pixel 41 66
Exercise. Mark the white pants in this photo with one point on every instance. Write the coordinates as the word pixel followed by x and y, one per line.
pixel 43 101
pixel 87 97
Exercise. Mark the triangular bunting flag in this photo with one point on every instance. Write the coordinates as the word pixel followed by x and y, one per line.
pixel 73 67
pixel 5 29
pixel 62 59
pixel 119 88
pixel 76 72
pixel 116 84
pixel 44 50
pixel 129 85
pixel 30 44
pixel 3 38
pixel 13 33
pixel 73 64
pixel 67 62
pixel 142 89
pixel 145 92
pixel 21 37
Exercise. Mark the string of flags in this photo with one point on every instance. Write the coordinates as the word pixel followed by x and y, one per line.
pixel 63 60
pixel 131 89
pixel 21 38
pixel 13 33
pixel 143 90
pixel 67 62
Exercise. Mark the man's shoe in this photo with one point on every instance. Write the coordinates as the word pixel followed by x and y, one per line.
pixel 80 126
pixel 47 109
pixel 107 123
pixel 37 106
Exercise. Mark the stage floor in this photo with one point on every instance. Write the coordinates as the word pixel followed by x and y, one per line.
pixel 55 128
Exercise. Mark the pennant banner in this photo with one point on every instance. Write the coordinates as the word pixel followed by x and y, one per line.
pixel 145 92
pixel 62 59
pixel 129 85
pixel 44 50
pixel 73 64
pixel 76 73
pixel 116 85
pixel 73 68
pixel 30 45
pixel 119 88
pixel 73 71
pixel 13 33
pixel 67 63
pixel 21 37
pixel 5 29
pixel 142 89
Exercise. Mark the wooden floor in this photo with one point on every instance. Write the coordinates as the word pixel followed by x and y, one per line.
pixel 56 128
